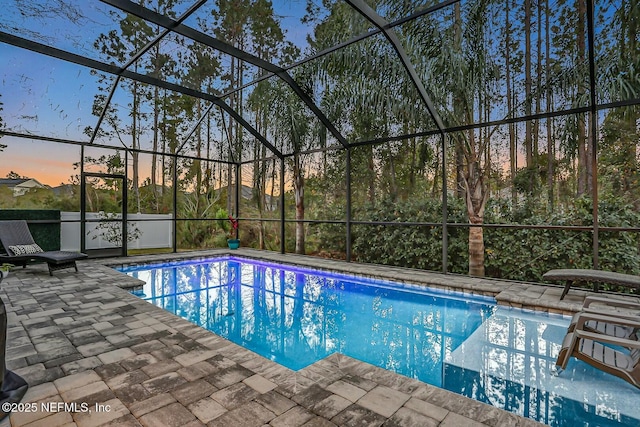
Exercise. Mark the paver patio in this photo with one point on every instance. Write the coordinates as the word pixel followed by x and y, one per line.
pixel 80 338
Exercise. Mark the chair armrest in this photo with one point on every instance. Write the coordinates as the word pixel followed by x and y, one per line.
pixel 585 316
pixel 611 302
pixel 622 314
pixel 594 336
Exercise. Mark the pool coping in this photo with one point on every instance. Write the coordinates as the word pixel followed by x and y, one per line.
pixel 83 337
pixel 534 296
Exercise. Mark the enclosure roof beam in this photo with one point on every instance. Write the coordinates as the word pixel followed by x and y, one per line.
pixel 142 78
pixel 166 22
pixel 108 147
pixel 365 10
pixel 133 59
pixel 194 128
pixel 349 42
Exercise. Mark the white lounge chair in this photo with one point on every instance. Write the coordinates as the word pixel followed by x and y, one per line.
pixel 595 349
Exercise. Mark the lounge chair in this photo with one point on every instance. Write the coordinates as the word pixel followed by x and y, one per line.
pixel 596 349
pixel 20 248
pixel 609 326
pixel 571 276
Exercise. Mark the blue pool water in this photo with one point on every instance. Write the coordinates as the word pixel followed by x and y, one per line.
pixel 463 343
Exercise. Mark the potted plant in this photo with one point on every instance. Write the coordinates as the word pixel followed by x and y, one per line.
pixel 4 270
pixel 233 241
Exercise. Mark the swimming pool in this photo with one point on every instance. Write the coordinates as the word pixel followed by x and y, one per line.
pixel 464 343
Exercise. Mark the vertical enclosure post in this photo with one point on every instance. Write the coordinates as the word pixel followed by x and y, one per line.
pixel 282 216
pixel 175 203
pixel 83 203
pixel 348 207
pixel 125 205
pixel 445 219
pixel 238 195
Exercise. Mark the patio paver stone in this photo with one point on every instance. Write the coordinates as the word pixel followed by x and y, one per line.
pixel 383 400
pixel 78 337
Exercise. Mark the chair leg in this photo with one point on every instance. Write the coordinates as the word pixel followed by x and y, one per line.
pixel 566 351
pixel 566 289
pixel 61 266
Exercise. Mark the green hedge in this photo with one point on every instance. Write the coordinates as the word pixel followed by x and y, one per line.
pixel 518 254
pixel 45 235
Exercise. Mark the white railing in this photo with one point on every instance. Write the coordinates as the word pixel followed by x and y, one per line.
pixel 153 234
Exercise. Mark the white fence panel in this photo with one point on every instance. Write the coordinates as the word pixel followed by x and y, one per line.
pixel 152 234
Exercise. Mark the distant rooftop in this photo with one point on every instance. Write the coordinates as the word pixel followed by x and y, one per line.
pixel 13 182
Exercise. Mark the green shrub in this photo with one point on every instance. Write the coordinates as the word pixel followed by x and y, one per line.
pixel 408 245
pixel 47 236
pixel 526 254
pixel 510 253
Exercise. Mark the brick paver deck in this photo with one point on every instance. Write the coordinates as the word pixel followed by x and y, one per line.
pixel 79 339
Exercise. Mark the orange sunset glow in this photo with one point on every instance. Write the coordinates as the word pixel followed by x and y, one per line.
pixel 49 164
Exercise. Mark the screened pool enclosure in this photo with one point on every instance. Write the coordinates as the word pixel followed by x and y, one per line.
pixel 495 138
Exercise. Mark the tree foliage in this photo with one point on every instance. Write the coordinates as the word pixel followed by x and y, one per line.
pixel 485 62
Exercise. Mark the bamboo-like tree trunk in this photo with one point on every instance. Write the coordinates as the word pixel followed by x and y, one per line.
pixel 134 153
pixel 156 131
pixel 393 186
pixel 629 36
pixel 156 117
pixel 164 143
pixel 584 161
pixel 528 140
pixel 412 171
pixel 298 190
pixel 230 192
pixel 550 141
pixel 208 173
pixel 458 107
pixel 511 126
pixel 263 197
pixel 239 134
pixel 538 94
pixel 436 177
pixel 372 174
pixel 197 163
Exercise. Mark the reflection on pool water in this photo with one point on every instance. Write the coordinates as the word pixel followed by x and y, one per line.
pixel 463 343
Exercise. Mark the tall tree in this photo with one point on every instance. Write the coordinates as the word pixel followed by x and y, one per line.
pixel 549 102
pixel 508 47
pixel 293 130
pixel 584 143
pixel 231 19
pixel 118 47
pixel 268 43
pixel 528 136
pixel 619 67
pixel 467 71
pixel 203 68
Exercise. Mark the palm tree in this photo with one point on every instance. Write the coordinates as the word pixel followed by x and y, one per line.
pixel 462 76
